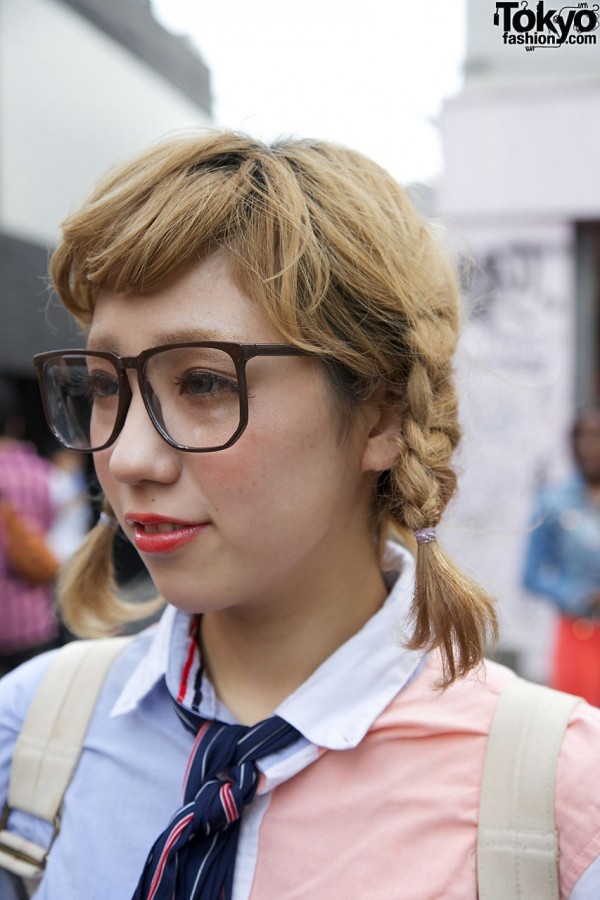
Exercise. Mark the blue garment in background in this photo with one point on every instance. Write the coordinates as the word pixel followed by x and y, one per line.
pixel 562 561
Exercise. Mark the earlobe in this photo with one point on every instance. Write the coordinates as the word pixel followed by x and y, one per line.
pixel 382 447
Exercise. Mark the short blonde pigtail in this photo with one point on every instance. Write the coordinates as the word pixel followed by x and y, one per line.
pixel 450 611
pixel 90 574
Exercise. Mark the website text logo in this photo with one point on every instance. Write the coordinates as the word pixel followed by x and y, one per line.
pixel 546 27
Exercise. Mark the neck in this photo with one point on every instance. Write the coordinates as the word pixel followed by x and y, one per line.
pixel 256 657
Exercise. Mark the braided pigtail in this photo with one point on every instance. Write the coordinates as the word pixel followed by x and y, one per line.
pixel 449 610
pixel 87 593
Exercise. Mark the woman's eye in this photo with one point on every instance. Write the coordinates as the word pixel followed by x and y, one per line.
pixel 89 385
pixel 200 383
pixel 101 385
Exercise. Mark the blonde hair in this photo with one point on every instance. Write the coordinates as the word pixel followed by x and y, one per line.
pixel 335 254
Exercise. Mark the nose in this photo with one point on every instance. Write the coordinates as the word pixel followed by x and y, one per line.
pixel 139 452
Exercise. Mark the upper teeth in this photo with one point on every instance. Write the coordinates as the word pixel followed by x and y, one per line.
pixel 162 526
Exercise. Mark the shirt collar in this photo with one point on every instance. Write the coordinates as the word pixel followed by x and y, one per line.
pixel 337 705
pixel 152 666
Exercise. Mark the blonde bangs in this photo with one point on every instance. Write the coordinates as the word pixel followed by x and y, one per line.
pixel 297 221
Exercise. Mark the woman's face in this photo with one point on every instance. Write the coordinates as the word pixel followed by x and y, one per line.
pixel 283 509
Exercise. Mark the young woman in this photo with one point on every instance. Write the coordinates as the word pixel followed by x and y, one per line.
pixel 267 392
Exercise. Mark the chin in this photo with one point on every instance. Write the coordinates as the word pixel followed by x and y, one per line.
pixel 191 599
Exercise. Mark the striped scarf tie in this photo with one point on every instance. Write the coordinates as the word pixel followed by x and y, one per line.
pixel 194 857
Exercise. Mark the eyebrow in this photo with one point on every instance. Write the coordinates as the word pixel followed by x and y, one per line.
pixel 178 336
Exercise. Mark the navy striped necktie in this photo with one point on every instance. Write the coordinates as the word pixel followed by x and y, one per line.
pixel 194 857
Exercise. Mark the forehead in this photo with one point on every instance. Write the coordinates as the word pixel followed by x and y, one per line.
pixel 201 302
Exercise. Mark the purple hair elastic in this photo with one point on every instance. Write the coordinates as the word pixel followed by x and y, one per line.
pixel 425 535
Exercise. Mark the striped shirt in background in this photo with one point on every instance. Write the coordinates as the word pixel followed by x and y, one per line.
pixel 26 614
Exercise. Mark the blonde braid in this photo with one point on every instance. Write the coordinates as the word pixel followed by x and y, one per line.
pixel 449 611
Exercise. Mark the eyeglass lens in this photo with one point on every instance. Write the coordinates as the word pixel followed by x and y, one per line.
pixel 193 393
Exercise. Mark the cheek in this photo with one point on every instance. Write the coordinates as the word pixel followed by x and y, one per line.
pixel 271 465
pixel 285 466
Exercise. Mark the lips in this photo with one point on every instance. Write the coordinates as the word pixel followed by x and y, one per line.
pixel 158 534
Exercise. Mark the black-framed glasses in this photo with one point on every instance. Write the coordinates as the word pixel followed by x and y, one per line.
pixel 195 393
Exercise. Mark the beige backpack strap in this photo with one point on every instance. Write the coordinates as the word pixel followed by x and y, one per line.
pixel 50 743
pixel 517 850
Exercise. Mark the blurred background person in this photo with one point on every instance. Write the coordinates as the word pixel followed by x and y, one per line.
pixel 562 563
pixel 28 624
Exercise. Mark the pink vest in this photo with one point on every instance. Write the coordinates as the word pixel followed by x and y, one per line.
pixel 404 823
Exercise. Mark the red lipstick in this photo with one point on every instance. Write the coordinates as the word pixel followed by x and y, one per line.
pixel 159 534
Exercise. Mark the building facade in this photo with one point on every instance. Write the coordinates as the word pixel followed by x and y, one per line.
pixel 522 202
pixel 83 84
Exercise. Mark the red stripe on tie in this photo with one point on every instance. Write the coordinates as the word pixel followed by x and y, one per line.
pixel 201 732
pixel 163 856
pixel 188 663
pixel 231 810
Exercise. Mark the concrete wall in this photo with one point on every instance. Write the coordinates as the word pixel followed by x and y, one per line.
pixel 72 102
pixel 515 381
pixel 527 152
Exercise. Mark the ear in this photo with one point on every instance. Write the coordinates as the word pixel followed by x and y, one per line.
pixel 381 449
